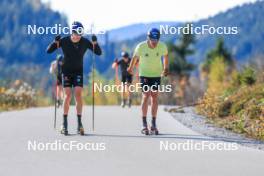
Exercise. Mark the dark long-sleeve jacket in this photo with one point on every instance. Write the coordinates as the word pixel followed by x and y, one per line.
pixel 73 53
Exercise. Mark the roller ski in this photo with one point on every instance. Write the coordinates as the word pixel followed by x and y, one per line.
pixel 145 131
pixel 64 131
pixel 154 131
pixel 80 130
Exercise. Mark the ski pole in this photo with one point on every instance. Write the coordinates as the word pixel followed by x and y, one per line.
pixel 93 88
pixel 55 98
pixel 93 100
pixel 56 90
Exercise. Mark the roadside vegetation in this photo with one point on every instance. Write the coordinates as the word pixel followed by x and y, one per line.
pixel 234 98
pixel 20 95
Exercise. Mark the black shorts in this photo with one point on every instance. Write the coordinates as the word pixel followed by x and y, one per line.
pixel 126 78
pixel 72 81
pixel 149 83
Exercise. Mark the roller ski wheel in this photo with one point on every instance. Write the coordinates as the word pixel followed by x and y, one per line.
pixel 64 131
pixel 81 131
pixel 154 131
pixel 145 131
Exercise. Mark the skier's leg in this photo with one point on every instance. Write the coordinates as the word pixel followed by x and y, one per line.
pixel 57 95
pixel 129 81
pixel 129 95
pixel 144 103
pixel 127 88
pixel 60 92
pixel 123 97
pixel 57 91
pixel 144 108
pixel 154 109
pixel 66 106
pixel 78 99
pixel 67 100
pixel 154 103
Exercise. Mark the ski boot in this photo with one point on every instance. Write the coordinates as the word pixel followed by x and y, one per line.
pixel 64 130
pixel 154 131
pixel 80 130
pixel 145 131
pixel 59 103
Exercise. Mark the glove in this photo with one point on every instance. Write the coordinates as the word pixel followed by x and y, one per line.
pixel 57 38
pixel 94 38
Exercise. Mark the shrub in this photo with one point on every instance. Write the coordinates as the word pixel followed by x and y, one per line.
pixel 248 76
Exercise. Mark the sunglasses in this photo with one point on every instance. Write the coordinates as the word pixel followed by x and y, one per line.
pixel 154 40
pixel 79 33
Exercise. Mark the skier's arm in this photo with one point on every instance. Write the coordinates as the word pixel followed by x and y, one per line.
pixel 132 64
pixel 165 65
pixel 54 45
pixel 166 62
pixel 135 59
pixel 94 46
pixel 115 64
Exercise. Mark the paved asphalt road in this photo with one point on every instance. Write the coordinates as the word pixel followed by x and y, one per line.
pixel 116 147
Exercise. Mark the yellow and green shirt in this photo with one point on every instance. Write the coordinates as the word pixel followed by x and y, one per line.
pixel 150 64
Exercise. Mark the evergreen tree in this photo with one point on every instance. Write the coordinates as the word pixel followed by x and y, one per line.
pixel 218 51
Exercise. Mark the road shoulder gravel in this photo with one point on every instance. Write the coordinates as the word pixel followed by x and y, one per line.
pixel 201 125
